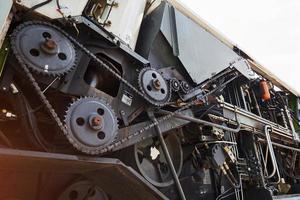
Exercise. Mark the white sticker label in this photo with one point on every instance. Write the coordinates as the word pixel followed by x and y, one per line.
pixel 127 99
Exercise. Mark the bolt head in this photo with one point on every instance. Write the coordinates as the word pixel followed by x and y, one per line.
pixel 50 44
pixel 96 121
pixel 156 84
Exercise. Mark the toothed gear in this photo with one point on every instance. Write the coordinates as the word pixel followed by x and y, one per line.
pixel 175 85
pixel 184 87
pixel 43 48
pixel 91 125
pixel 154 86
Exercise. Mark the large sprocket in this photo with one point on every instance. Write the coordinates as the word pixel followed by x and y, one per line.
pixel 154 86
pixel 91 125
pixel 43 48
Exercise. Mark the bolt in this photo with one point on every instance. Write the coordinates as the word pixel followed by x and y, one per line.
pixel 50 44
pixel 156 83
pixel 123 112
pixel 186 86
pixel 96 121
pixel 108 23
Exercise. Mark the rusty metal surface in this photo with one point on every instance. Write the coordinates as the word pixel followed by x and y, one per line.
pixel 111 175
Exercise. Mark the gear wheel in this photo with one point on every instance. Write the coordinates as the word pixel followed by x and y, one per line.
pixel 154 86
pixel 175 85
pixel 43 48
pixel 91 125
pixel 184 87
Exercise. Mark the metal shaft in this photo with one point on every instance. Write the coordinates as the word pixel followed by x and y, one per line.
pixel 168 158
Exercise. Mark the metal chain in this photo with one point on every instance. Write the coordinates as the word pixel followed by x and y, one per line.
pixel 33 82
pixel 51 110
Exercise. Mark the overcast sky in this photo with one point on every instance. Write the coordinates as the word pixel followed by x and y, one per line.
pixel 269 30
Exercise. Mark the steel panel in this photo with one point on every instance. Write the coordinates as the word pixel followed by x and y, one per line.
pixel 202 54
pixel 110 174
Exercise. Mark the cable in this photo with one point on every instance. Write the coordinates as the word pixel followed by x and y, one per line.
pixel 36 7
pixel 58 4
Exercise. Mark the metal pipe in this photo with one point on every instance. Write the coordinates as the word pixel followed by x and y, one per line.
pixel 244 99
pixel 284 119
pixel 200 121
pixel 258 156
pixel 237 110
pixel 284 146
pixel 168 157
pixel 233 138
pixel 266 159
pixel 268 129
pixel 263 159
pixel 219 142
pixel 255 102
pixel 288 115
pixel 236 96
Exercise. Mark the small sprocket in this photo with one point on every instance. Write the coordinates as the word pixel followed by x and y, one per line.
pixel 154 86
pixel 91 125
pixel 43 48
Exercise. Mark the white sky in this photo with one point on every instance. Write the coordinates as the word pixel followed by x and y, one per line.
pixel 268 30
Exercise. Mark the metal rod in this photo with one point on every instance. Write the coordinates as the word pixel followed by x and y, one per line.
pixel 168 157
pixel 48 86
pixel 200 121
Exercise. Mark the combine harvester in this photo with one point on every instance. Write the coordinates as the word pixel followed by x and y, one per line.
pixel 137 99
